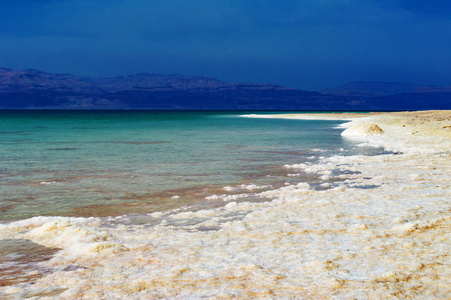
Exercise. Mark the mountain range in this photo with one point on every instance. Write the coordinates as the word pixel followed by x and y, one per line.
pixel 34 89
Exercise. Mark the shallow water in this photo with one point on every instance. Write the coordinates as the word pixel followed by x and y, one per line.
pixel 19 261
pixel 79 163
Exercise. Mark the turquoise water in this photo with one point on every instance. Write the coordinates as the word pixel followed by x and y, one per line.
pixel 99 163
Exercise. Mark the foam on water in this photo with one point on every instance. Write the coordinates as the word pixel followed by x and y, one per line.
pixel 390 241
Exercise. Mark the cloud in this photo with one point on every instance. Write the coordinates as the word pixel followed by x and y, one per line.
pixel 428 8
pixel 254 39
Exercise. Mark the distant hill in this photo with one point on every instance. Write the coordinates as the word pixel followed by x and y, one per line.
pixel 147 81
pixel 371 89
pixel 394 95
pixel 33 89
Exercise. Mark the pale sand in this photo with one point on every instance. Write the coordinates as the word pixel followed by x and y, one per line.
pixel 312 116
pixel 390 241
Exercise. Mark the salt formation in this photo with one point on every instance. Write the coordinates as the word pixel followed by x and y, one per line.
pixel 363 129
pixel 389 241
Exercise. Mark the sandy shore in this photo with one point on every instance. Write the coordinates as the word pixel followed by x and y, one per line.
pixel 382 232
pixel 312 116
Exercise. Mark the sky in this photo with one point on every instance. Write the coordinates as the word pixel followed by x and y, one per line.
pixel 305 44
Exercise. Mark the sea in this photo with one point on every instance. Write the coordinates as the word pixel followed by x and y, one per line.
pixel 130 168
pixel 110 163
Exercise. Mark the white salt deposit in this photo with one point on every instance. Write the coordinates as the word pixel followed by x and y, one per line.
pixel 363 129
pixel 47 182
pixel 249 187
pixel 225 197
pixel 348 242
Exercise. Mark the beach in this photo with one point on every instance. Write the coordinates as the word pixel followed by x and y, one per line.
pixel 383 232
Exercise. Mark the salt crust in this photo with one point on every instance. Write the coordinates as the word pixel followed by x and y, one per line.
pixel 392 241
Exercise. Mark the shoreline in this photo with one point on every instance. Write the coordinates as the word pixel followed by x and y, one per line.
pixel 433 128
pixel 383 232
pixel 312 116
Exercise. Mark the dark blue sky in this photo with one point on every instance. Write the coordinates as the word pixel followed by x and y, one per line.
pixel 308 44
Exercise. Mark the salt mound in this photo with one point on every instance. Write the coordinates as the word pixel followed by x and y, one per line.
pixel 78 238
pixel 363 129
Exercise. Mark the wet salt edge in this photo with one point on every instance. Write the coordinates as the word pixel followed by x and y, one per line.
pixel 343 242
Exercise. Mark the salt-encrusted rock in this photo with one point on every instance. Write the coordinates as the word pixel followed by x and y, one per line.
pixel 363 129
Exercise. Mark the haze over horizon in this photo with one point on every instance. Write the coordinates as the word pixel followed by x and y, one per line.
pixel 308 45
